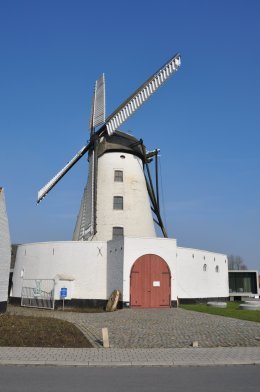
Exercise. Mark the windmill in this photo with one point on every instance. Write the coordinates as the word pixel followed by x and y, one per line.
pixel 119 198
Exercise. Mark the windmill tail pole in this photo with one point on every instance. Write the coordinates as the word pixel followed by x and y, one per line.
pixel 150 188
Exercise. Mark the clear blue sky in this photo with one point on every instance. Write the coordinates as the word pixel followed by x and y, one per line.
pixel 205 119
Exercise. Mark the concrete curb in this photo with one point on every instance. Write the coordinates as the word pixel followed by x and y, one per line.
pixel 38 356
pixel 124 364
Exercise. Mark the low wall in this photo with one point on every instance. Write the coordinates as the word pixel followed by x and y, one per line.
pixel 84 264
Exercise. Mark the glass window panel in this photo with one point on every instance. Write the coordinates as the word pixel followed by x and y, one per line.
pixel 118 203
pixel 118 176
pixel 118 232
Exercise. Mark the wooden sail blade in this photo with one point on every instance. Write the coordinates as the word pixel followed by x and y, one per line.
pixel 142 94
pixel 97 116
pixel 44 190
pixel 85 224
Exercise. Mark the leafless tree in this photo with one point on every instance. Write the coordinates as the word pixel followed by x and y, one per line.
pixel 236 263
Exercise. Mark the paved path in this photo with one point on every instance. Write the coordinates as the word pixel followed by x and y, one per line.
pixel 151 337
pixel 158 328
pixel 129 357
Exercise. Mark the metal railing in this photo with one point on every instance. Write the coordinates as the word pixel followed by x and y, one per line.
pixel 38 293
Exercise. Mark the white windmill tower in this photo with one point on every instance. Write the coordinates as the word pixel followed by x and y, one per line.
pixel 119 198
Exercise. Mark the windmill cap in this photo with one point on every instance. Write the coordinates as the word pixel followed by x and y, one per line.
pixel 120 142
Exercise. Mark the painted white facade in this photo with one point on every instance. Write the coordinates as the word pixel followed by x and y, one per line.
pixel 5 250
pixel 133 189
pixel 188 277
pixel 201 272
pixel 136 247
pixel 85 262
pixel 97 268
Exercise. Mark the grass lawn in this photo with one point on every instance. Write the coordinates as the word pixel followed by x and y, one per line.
pixel 232 310
pixel 24 331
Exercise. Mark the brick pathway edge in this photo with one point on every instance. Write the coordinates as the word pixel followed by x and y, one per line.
pixel 37 356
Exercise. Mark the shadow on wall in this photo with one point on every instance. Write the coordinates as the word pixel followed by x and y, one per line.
pixel 115 262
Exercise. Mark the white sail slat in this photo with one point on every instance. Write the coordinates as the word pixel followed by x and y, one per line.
pixel 142 94
pixel 44 190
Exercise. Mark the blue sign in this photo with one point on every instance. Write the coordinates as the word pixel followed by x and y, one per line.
pixel 63 292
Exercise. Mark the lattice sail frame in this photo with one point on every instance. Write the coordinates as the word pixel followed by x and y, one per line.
pixel 142 94
pixel 46 188
pixel 98 114
pixel 118 117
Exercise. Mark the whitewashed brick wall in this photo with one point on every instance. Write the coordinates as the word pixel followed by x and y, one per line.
pixel 5 249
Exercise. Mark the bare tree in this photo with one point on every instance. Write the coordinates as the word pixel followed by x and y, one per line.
pixel 236 263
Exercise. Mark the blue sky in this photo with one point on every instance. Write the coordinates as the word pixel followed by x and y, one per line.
pixel 205 119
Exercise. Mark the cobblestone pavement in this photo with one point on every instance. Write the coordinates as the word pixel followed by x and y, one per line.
pixel 157 328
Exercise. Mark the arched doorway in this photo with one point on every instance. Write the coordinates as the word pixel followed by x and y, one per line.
pixel 150 283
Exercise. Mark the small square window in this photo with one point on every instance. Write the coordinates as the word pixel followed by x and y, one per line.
pixel 118 203
pixel 118 176
pixel 118 232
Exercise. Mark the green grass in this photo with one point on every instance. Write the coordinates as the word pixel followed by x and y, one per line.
pixel 25 331
pixel 232 310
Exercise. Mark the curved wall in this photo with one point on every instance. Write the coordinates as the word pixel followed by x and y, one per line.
pixel 201 274
pixel 87 263
pixel 5 252
pixel 96 268
pixel 188 278
pixel 136 216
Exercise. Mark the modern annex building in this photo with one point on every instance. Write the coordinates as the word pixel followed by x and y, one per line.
pixel 114 245
pixel 5 252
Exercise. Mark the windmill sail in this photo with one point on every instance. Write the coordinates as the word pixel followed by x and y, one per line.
pixel 97 116
pixel 120 115
pixel 44 190
pixel 85 221
pixel 86 227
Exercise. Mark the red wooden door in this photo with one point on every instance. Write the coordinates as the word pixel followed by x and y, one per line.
pixel 150 283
